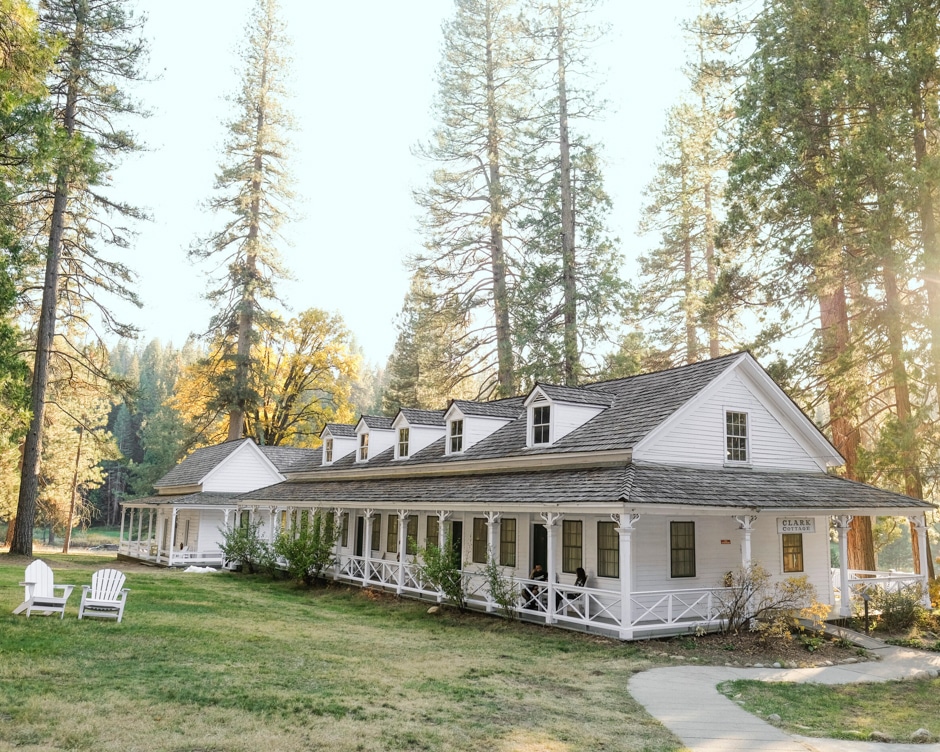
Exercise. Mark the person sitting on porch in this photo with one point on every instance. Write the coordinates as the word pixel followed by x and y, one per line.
pixel 580 579
pixel 532 591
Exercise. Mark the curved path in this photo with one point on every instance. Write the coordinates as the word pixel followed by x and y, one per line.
pixel 686 700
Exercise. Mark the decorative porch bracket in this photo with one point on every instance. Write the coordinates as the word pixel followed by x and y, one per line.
pixel 626 524
pixel 550 521
pixel 841 523
pixel 919 523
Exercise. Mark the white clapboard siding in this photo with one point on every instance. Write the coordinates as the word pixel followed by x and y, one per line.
pixel 478 427
pixel 211 526
pixel 380 439
pixel 569 417
pixel 699 438
pixel 243 470
pixel 419 437
pixel 713 559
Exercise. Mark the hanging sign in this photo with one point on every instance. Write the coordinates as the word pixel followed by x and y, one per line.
pixel 796 525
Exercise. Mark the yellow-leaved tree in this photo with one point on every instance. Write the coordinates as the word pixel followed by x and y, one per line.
pixel 303 379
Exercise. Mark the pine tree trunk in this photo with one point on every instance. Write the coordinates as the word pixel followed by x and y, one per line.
pixel 22 540
pixel 236 423
pixel 505 375
pixel 572 366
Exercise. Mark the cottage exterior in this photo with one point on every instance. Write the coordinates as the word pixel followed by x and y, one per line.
pixel 656 485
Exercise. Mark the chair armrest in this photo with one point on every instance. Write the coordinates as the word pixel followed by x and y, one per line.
pixel 27 583
pixel 66 589
pixel 86 588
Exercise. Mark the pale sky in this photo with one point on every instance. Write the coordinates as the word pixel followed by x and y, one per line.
pixel 364 80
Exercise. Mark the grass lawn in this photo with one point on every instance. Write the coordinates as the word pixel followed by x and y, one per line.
pixel 849 711
pixel 223 662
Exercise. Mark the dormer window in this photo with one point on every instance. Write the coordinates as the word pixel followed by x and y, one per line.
pixel 363 447
pixel 456 436
pixel 541 424
pixel 328 450
pixel 736 448
pixel 402 442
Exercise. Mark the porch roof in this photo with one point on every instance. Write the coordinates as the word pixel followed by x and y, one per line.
pixel 201 499
pixel 633 484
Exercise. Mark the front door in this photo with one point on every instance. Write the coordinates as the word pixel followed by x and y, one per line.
pixel 539 547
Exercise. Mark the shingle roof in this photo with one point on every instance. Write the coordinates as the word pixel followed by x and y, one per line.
pixel 511 407
pixel 634 484
pixel 341 429
pixel 423 417
pixel 745 488
pixel 377 421
pixel 198 465
pixel 284 457
pixel 193 499
pixel 576 395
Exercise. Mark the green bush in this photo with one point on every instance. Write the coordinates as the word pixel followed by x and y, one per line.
pixel 308 549
pixel 503 588
pixel 440 568
pixel 898 610
pixel 242 545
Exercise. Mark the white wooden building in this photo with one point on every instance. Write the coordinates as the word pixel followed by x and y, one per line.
pixel 656 485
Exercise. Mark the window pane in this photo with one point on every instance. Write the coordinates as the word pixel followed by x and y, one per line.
pixel 682 545
pixel 479 540
pixel 792 552
pixel 328 448
pixel 608 550
pixel 411 539
pixel 507 543
pixel 344 534
pixel 376 532
pixel 736 437
pixel 456 436
pixel 541 423
pixel 364 447
pixel 402 442
pixel 434 528
pixel 571 537
pixel 391 537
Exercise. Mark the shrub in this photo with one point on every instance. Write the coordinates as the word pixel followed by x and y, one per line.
pixel 898 609
pixel 503 589
pixel 307 549
pixel 751 600
pixel 440 568
pixel 242 545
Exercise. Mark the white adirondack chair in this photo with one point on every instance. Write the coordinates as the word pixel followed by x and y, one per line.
pixel 41 591
pixel 104 598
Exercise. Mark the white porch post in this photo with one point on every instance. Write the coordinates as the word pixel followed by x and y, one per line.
pixel 338 513
pixel 551 527
pixel 626 524
pixel 402 541
pixel 121 534
pixel 140 528
pixel 442 517
pixel 150 517
pixel 919 522
pixel 842 523
pixel 367 515
pixel 493 526
pixel 746 526
pixel 172 535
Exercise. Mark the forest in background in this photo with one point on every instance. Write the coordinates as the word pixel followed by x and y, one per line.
pixel 794 213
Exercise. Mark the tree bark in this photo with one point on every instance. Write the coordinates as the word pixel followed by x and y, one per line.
pixel 22 541
pixel 505 375
pixel 572 366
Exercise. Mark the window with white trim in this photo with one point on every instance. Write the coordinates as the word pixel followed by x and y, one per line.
pixel 792 552
pixel 682 549
pixel 608 550
pixel 328 450
pixel 363 447
pixel 507 542
pixel 541 424
pixel 403 442
pixel 736 445
pixel 456 436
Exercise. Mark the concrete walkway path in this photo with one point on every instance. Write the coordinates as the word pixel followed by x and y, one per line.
pixel 685 699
